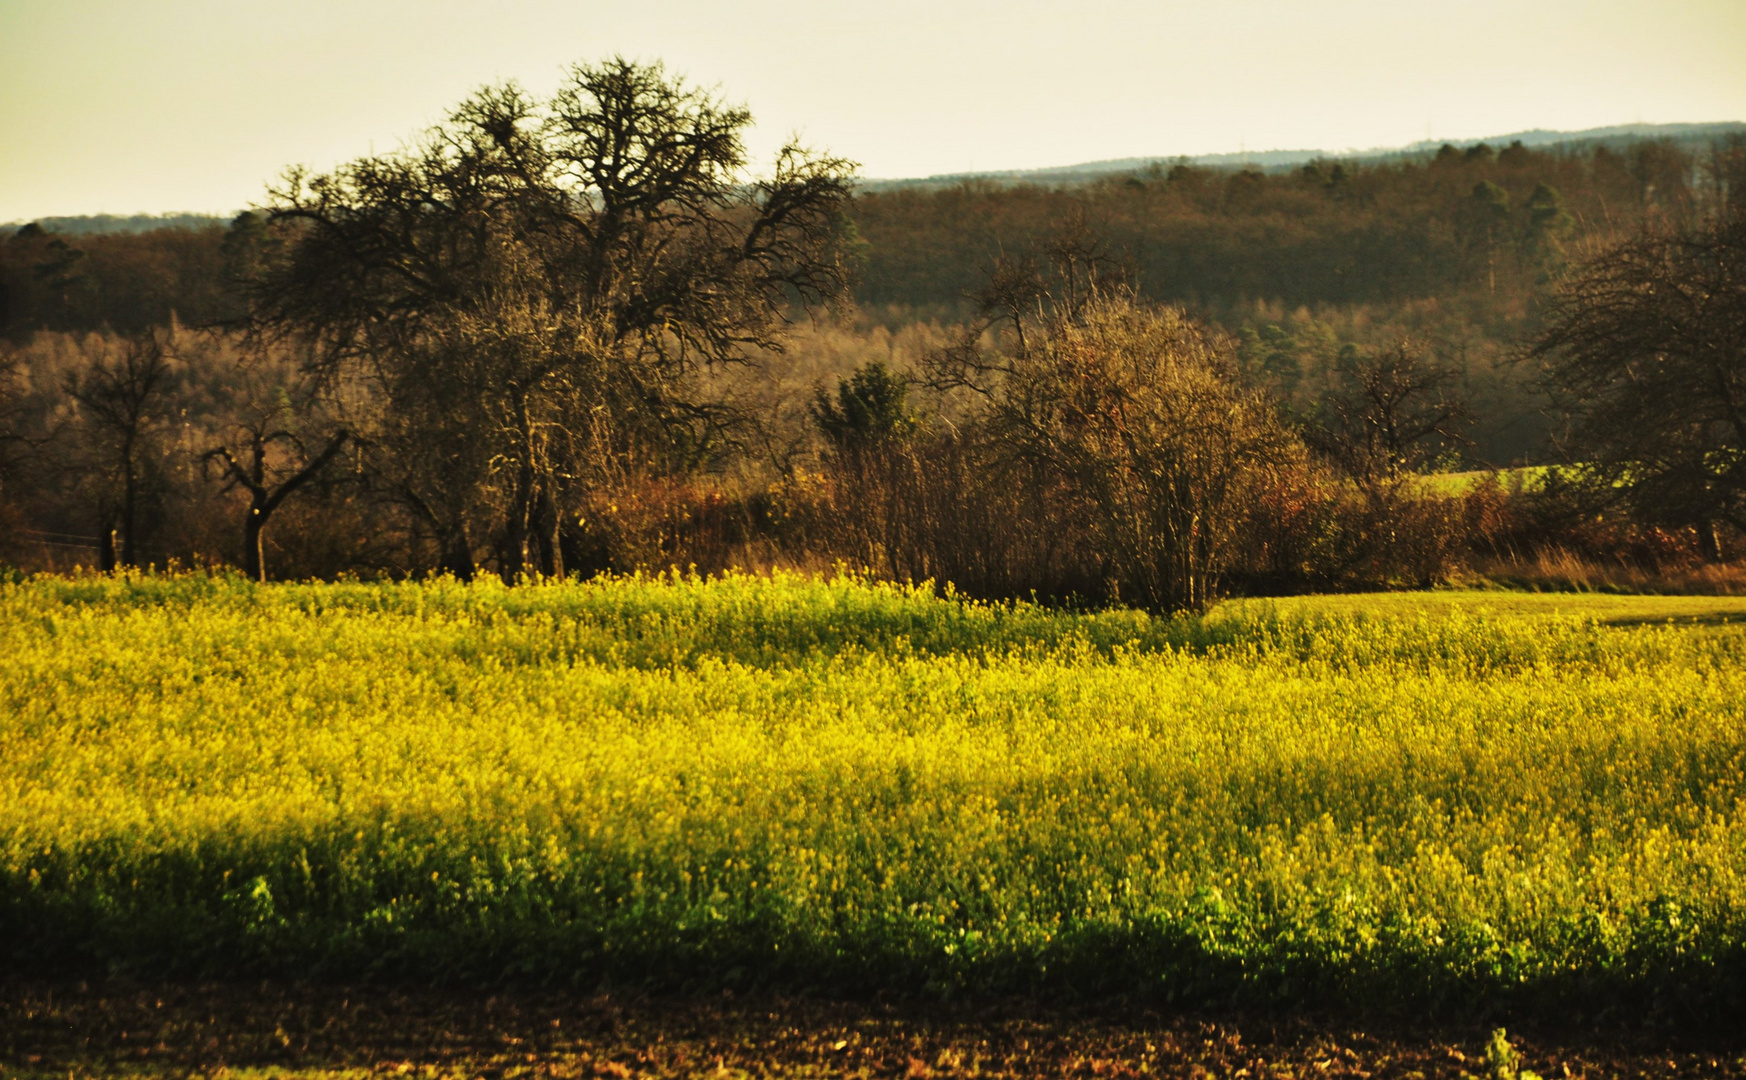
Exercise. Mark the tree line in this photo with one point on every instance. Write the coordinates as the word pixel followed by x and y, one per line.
pixel 1484 220
pixel 1454 251
pixel 539 338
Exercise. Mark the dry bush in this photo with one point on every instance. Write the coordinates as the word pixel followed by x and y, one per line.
pixel 1106 453
pixel 1313 532
pixel 1136 408
pixel 705 525
pixel 948 506
pixel 1125 427
pixel 1061 484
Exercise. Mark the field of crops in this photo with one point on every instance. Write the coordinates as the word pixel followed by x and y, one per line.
pixel 844 787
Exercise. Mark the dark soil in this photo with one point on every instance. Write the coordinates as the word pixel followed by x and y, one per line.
pixel 77 1029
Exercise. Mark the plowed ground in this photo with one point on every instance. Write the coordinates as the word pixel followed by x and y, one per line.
pixel 80 1030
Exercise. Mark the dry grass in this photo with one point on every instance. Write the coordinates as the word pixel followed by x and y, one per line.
pixel 1560 570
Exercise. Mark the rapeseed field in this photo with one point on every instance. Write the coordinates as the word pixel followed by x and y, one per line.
pixel 848 787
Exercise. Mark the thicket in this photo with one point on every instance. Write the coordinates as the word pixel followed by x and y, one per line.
pixel 1025 489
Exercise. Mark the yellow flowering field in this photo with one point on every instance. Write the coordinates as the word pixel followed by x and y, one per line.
pixel 841 786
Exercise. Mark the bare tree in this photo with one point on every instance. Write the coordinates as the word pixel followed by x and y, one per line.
pixel 1390 412
pixel 120 398
pixel 531 290
pixel 1649 340
pixel 277 456
pixel 12 435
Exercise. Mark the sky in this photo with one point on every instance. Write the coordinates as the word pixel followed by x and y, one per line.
pixel 157 106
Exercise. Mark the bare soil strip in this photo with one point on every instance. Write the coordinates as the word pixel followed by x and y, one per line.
pixel 81 1030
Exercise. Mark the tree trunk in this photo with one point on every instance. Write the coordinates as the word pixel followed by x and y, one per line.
pixel 253 563
pixel 1709 544
pixel 127 506
pixel 547 526
pixel 515 541
pixel 454 549
pixel 265 500
pixel 457 553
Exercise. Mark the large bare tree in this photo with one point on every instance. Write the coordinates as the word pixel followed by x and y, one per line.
pixel 526 293
pixel 1648 339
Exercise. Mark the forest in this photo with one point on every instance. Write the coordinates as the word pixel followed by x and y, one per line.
pixel 789 370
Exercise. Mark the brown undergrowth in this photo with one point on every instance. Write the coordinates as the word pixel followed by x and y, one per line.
pixel 1561 570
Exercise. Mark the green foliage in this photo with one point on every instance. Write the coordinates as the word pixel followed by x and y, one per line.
pixel 1503 1059
pixel 871 407
pixel 830 784
pixel 1548 225
pixel 1491 202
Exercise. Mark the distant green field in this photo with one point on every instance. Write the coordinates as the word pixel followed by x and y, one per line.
pixel 1408 801
pixel 1457 483
pixel 1604 608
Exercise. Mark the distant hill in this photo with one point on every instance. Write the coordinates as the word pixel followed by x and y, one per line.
pixel 1690 136
pixel 97 224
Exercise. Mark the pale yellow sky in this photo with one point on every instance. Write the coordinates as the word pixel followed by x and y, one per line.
pixel 128 106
